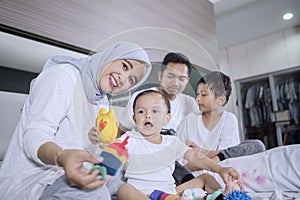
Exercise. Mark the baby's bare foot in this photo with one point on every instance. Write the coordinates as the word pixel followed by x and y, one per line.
pixel 232 185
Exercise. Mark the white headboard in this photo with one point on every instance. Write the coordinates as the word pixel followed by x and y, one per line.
pixel 10 110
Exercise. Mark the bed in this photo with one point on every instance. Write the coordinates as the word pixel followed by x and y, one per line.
pixel 10 106
pixel 273 174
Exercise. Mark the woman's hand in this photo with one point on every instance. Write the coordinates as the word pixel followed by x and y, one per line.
pixel 93 136
pixel 77 175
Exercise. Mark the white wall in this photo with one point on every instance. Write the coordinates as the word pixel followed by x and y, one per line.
pixel 27 55
pixel 277 51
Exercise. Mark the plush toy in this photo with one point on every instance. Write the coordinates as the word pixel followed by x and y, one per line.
pixel 115 156
pixel 107 127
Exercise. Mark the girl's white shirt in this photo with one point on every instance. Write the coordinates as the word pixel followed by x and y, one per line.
pixel 53 112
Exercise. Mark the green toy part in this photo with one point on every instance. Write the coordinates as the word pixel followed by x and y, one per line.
pixel 102 171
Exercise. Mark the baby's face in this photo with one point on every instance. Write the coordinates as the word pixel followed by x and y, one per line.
pixel 120 75
pixel 150 114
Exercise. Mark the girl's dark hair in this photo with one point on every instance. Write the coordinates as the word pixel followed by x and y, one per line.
pixel 176 58
pixel 218 83
pixel 146 92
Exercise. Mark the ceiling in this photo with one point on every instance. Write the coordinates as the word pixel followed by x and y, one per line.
pixel 242 20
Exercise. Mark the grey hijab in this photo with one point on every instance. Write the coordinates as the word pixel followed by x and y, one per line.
pixel 90 67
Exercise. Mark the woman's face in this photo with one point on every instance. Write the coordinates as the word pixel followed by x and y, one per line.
pixel 120 75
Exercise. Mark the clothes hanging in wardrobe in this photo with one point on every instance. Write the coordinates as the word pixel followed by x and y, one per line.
pixel 259 104
pixel 287 97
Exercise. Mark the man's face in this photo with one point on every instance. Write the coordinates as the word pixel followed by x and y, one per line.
pixel 174 78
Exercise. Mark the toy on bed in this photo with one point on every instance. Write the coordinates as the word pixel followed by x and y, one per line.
pixel 200 194
pixel 237 195
pixel 115 156
pixel 106 125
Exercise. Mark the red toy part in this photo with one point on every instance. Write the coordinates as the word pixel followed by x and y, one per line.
pixel 120 147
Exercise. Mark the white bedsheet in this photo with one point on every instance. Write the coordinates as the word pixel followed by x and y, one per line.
pixel 274 172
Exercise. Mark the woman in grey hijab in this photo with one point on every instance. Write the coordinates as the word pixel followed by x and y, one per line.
pixel 46 155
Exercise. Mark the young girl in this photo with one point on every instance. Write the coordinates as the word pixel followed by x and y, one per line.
pixel 152 156
pixel 46 154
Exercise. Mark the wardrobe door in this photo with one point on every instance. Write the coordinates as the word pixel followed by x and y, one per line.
pixel 255 106
pixel 287 106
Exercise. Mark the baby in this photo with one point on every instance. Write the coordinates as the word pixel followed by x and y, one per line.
pixel 152 156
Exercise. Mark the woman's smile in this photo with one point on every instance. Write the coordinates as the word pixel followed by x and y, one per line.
pixel 112 81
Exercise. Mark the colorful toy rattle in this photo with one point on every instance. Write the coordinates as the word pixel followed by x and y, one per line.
pixel 115 156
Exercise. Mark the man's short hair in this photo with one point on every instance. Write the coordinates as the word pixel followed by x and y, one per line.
pixel 176 58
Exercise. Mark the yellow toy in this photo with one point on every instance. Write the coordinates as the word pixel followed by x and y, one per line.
pixel 106 125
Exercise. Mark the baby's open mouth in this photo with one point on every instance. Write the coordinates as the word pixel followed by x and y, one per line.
pixel 148 124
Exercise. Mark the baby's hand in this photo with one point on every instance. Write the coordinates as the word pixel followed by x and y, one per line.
pixel 93 136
